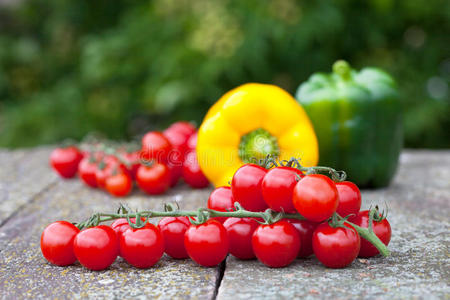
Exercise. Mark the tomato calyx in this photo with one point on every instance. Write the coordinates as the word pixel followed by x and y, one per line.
pixel 378 216
pixel 92 158
pixel 336 175
pixel 338 221
pixel 375 215
pixel 271 161
pixel 271 216
pixel 139 223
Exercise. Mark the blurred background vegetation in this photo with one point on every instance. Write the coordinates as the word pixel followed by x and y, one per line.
pixel 123 67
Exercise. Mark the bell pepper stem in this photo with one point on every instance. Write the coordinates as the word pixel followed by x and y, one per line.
pixel 342 68
pixel 258 144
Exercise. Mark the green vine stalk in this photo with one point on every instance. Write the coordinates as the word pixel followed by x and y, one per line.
pixel 203 214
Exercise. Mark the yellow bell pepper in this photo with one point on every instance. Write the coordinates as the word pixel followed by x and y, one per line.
pixel 252 121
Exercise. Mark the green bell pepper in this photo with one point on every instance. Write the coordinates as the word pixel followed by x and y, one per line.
pixel 357 119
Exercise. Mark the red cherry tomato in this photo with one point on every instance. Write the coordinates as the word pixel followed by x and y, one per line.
pixel 57 243
pixel 246 187
pixel 112 164
pixel 276 245
pixel 119 185
pixel 305 231
pixel 183 127
pixel 177 139
pixel 192 174
pixel 178 134
pixel 133 161
pixel 315 197
pixel 103 172
pixel 155 146
pixel 207 244
pixel 86 170
pixel 382 230
pixel 240 232
pixel 154 179
pixel 121 225
pixel 192 142
pixel 175 170
pixel 335 247
pixel 349 198
pixel 65 161
pixel 173 230
pixel 277 188
pixel 143 247
pixel 221 199
pixel 97 247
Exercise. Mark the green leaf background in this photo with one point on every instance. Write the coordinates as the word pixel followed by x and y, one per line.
pixel 124 67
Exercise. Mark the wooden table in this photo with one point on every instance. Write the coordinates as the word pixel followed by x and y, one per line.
pixel 32 196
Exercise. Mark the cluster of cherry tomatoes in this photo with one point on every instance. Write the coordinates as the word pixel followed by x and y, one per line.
pixel 316 197
pixel 162 160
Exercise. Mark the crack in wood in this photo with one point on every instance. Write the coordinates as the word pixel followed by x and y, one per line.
pixel 30 201
pixel 220 273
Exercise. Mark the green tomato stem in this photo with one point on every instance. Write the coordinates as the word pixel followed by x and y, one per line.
pixel 372 238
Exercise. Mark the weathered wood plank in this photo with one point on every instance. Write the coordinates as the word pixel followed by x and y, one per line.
pixel 419 202
pixel 24 273
pixel 23 174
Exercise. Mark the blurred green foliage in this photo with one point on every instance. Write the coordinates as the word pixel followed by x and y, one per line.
pixel 123 67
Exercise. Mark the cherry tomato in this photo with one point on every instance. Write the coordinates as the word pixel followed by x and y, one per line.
pixel 221 199
pixel 335 247
pixel 173 230
pixel 276 245
pixel 177 139
pixel 382 230
pixel 305 231
pixel 192 174
pixel 192 142
pixel 154 179
pixel 175 166
pixel 97 247
pixel 119 185
pixel 183 127
pixel 57 243
pixel 103 171
pixel 240 232
pixel 121 225
pixel 65 161
pixel 349 198
pixel 315 197
pixel 133 160
pixel 207 244
pixel 155 146
pixel 178 135
pixel 114 164
pixel 277 188
pixel 246 187
pixel 143 247
pixel 86 170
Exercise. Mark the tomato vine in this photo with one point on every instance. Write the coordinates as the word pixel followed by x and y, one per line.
pixel 201 215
